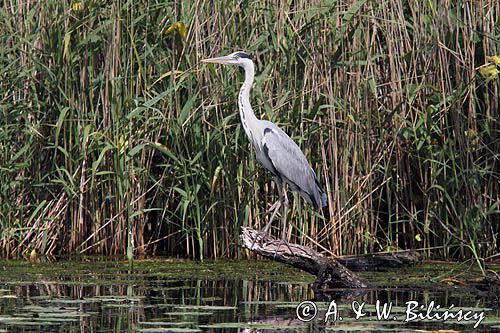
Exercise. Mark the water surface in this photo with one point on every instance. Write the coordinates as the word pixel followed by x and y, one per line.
pixel 226 296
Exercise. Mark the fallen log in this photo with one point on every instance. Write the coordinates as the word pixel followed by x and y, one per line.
pixel 379 261
pixel 329 272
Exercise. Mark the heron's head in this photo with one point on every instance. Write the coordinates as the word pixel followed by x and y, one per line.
pixel 239 58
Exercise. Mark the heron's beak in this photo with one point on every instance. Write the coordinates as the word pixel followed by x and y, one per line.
pixel 226 60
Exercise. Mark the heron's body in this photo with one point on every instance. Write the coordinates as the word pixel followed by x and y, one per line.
pixel 274 149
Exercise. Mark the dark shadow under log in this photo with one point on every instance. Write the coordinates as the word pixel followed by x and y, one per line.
pixel 329 272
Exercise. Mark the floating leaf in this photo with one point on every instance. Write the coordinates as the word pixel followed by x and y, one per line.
pixel 169 329
pixel 8 296
pixel 249 326
pixel 187 313
pixel 164 323
pixel 207 307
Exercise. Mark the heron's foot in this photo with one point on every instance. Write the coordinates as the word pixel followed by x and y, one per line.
pixel 283 242
pixel 261 234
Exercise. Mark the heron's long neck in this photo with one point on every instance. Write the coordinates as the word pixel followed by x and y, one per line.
pixel 248 118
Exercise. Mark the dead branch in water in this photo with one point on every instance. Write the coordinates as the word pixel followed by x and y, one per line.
pixel 329 272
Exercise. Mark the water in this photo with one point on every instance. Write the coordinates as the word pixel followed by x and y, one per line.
pixel 242 296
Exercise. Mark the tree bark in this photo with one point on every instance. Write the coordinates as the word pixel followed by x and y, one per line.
pixel 379 261
pixel 329 272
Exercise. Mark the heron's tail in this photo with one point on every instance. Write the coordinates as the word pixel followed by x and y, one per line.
pixel 325 208
pixel 320 199
pixel 323 199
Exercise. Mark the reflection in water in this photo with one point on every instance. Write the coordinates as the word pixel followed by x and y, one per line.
pixel 149 302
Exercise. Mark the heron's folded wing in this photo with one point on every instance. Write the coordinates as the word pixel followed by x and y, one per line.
pixel 291 165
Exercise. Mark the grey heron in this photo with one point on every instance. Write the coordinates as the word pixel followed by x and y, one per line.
pixel 274 149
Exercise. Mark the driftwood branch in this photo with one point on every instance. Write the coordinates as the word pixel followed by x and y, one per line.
pixel 329 272
pixel 379 261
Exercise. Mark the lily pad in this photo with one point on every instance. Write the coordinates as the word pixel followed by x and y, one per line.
pixel 362 328
pixel 207 307
pixel 254 325
pixel 187 313
pixel 165 323
pixel 169 330
pixel 23 321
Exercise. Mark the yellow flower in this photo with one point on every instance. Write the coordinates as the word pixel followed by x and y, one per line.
pixel 79 7
pixel 494 59
pixel 76 6
pixel 490 72
pixel 180 27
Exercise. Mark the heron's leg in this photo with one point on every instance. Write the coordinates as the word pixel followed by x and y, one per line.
pixel 273 206
pixel 284 203
pixel 276 207
pixel 264 230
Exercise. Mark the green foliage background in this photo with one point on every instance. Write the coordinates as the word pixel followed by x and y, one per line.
pixel 112 136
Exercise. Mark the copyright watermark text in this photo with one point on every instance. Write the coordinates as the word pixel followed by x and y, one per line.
pixel 414 311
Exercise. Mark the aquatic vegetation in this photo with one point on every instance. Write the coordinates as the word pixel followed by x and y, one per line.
pixel 223 296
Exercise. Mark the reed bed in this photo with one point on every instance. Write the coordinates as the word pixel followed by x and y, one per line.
pixel 114 140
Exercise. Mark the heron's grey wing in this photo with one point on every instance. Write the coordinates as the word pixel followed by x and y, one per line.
pixel 291 165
